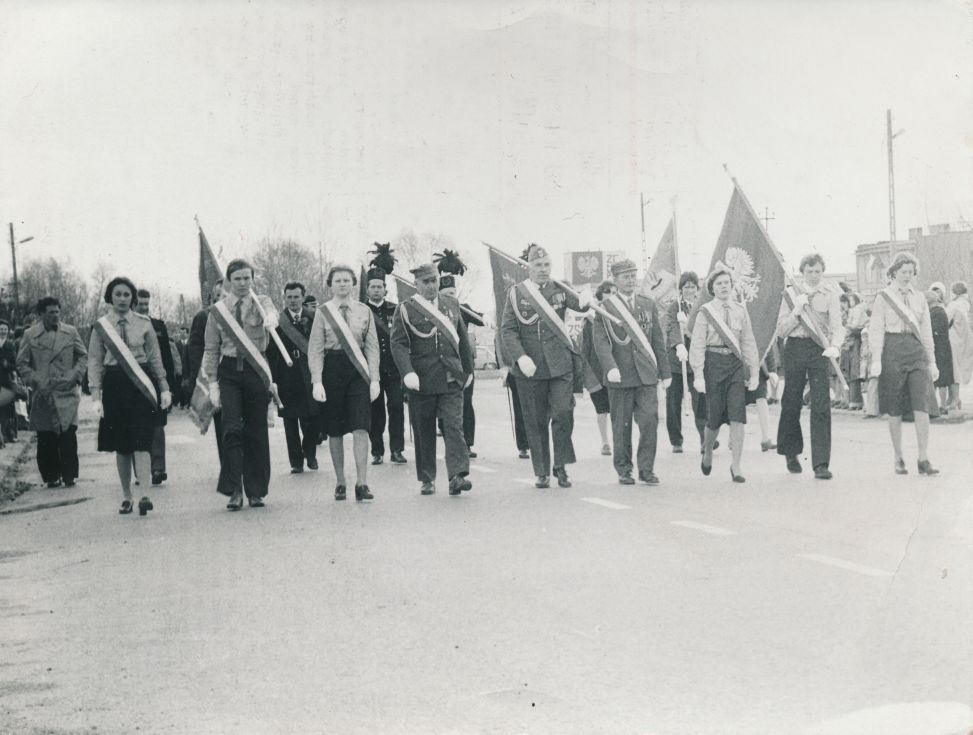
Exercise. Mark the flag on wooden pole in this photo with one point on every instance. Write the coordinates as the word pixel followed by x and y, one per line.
pixel 507 272
pixel 661 279
pixel 403 289
pixel 209 269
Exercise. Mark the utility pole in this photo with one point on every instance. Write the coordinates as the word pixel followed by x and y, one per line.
pixel 645 253
pixel 890 136
pixel 766 219
pixel 13 256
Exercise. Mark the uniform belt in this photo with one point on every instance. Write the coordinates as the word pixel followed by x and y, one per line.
pixel 337 351
pixel 234 362
pixel 719 349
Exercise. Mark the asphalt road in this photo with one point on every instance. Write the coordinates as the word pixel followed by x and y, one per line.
pixel 785 605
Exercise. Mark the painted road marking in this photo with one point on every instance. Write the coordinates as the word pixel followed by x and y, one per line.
pixel 607 504
pixel 847 565
pixel 481 468
pixel 715 530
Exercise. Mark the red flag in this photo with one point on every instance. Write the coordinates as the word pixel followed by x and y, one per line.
pixel 403 289
pixel 661 280
pixel 209 269
pixel 507 272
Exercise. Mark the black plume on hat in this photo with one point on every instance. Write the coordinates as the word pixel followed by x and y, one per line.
pixel 449 262
pixel 383 257
pixel 526 254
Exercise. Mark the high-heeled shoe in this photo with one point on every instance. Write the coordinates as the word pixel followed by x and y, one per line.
pixel 900 467
pixel 145 505
pixel 706 468
pixel 126 508
pixel 736 477
pixel 926 468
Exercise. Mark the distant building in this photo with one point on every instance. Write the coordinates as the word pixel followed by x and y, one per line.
pixel 944 255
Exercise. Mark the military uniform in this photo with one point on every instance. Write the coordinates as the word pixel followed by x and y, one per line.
pixel 158 452
pixel 547 396
pixel 301 413
pixel 635 395
pixel 803 362
pixel 675 391
pixel 391 397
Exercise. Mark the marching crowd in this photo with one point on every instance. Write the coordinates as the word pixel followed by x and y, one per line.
pixel 352 365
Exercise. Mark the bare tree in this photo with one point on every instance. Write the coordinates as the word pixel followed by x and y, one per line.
pixel 278 261
pixel 39 278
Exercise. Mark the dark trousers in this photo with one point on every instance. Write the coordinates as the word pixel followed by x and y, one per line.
pixel 520 431
pixel 548 414
pixel 642 405
pixel 246 447
pixel 423 412
pixel 158 450
pixel 392 398
pixel 674 394
pixel 218 430
pixel 57 454
pixel 803 363
pixel 469 415
pixel 301 447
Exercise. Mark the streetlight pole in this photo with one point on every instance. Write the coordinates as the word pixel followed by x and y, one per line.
pixel 13 258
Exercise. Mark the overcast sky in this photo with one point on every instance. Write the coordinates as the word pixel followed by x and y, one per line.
pixel 345 122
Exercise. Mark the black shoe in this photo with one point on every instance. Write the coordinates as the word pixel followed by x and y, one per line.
pixel 926 468
pixel 900 467
pixel 524 454
pixel 794 465
pixel 562 477
pixel 126 507
pixel 397 458
pixel 312 464
pixel 626 479
pixel 157 478
pixel 822 472
pixel 471 453
pixel 362 493
pixel 542 481
pixel 54 483
pixel 377 459
pixel 256 502
pixel 236 502
pixel 69 482
pixel 427 489
pixel 706 468
pixel 145 505
pixel 736 477
pixel 648 478
pixel 677 448
pixel 458 484
pixel 297 470
pixel 339 492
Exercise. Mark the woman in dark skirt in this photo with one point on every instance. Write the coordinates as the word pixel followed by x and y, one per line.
pixel 903 357
pixel 128 417
pixel 939 322
pixel 720 373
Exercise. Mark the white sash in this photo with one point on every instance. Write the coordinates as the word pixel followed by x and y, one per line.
pixel 808 318
pixel 439 318
pixel 243 342
pixel 347 340
pixel 633 328
pixel 904 312
pixel 724 329
pixel 547 311
pixel 126 359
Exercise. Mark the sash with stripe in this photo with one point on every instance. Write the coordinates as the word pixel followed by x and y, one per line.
pixel 904 313
pixel 808 319
pixel 347 339
pixel 379 321
pixel 244 345
pixel 633 328
pixel 723 329
pixel 126 360
pixel 439 319
pixel 546 312
pixel 292 333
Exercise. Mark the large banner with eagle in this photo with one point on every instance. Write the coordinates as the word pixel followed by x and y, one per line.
pixel 758 277
pixel 506 273
pixel 661 281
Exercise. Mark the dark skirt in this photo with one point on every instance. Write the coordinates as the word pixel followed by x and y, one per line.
pixel 129 419
pixel 726 390
pixel 903 386
pixel 600 399
pixel 348 407
pixel 761 391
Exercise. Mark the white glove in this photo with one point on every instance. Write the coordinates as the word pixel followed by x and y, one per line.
pixel 614 376
pixel 934 373
pixel 468 381
pixel 317 392
pixel 682 353
pixel 666 383
pixel 773 378
pixel 682 318
pixel 699 384
pixel 584 298
pixel 753 383
pixel 800 301
pixel 504 372
pixel 411 381
pixel 165 400
pixel 97 409
pixel 373 390
pixel 214 394
pixel 832 353
pixel 526 365
pixel 875 370
pixel 272 320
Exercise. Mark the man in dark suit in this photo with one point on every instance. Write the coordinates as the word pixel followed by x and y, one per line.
pixel 677 337
pixel 390 382
pixel 194 355
pixel 301 413
pixel 543 361
pixel 158 452
pixel 432 352
pixel 633 356
pixel 447 286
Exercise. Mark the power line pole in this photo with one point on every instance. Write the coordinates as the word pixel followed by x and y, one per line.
pixel 889 136
pixel 766 219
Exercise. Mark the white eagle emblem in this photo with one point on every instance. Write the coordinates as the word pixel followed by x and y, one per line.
pixel 588 265
pixel 746 283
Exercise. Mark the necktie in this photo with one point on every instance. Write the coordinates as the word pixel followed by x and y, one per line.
pixel 122 330
pixel 726 314
pixel 344 312
pixel 238 312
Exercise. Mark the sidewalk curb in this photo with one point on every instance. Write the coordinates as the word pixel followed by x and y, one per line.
pixel 11 484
